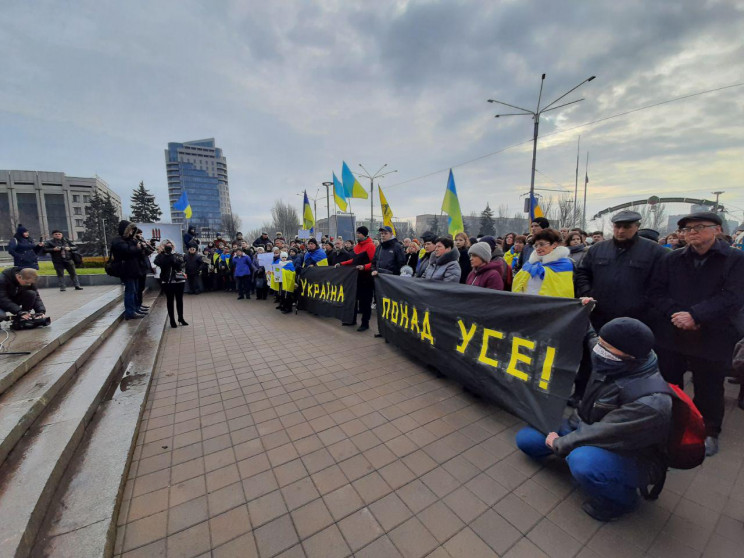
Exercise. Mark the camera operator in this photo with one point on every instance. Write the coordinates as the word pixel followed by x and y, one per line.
pixel 127 252
pixel 145 269
pixel 61 250
pixel 18 294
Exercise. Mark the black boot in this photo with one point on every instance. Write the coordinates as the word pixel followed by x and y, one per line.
pixel 182 322
pixel 173 323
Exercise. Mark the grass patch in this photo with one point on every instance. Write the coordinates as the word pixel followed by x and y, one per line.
pixel 47 268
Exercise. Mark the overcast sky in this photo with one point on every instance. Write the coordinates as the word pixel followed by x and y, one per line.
pixel 291 89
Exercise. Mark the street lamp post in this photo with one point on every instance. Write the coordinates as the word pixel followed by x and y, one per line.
pixel 105 241
pixel 328 202
pixel 378 174
pixel 536 117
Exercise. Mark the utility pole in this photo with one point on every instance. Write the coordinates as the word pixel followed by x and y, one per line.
pixel 536 117
pixel 328 201
pixel 586 181
pixel 378 174
pixel 576 186
pixel 717 195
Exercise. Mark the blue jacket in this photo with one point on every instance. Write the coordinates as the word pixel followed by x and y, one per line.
pixel 244 266
pixel 24 251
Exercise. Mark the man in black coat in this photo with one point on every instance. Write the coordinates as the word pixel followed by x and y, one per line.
pixel 193 263
pixel 61 249
pixel 390 255
pixel 617 272
pixel 18 294
pixel 127 252
pixel 338 254
pixel 696 294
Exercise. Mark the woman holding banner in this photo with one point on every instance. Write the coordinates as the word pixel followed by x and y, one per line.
pixel 549 271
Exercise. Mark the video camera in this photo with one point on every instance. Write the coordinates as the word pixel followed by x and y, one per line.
pixel 30 322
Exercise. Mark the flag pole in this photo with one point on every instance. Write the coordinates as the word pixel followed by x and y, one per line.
pixel 576 186
pixel 586 181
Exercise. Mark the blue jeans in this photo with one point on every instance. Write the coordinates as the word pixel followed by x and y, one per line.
pixel 600 473
pixel 130 297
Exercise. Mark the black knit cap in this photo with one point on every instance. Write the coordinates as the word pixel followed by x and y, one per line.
pixel 631 336
pixel 363 230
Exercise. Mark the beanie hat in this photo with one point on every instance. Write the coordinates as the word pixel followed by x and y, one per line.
pixel 491 241
pixel 629 335
pixel 363 230
pixel 482 250
pixel 283 255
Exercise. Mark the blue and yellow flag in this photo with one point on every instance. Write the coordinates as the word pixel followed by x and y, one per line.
pixel 535 210
pixel 339 194
pixel 351 185
pixel 288 277
pixel 308 219
pixel 182 204
pixel 451 206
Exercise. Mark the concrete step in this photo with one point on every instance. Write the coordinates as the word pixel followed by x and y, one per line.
pixel 32 471
pixel 46 340
pixel 81 521
pixel 27 398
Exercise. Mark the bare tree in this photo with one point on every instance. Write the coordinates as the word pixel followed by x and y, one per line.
pixel 502 211
pixel 654 216
pixel 564 212
pixel 253 234
pixel 285 218
pixel 231 224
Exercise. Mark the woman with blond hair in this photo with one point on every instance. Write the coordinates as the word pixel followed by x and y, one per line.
pixel 462 243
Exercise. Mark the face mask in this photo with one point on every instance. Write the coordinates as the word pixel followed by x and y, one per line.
pixel 604 354
pixel 604 362
pixel 168 249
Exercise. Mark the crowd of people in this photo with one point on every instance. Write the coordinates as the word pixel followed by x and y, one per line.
pixel 660 307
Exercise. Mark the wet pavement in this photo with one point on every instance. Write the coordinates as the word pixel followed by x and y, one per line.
pixel 281 435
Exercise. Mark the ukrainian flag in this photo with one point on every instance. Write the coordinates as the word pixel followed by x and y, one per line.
pixel 288 277
pixel 557 277
pixel 535 210
pixel 451 206
pixel 307 215
pixel 351 185
pixel 183 205
pixel 339 194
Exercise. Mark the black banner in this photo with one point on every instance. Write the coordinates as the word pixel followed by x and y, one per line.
pixel 328 291
pixel 520 351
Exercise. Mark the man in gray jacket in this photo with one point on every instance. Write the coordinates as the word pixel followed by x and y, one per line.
pixel 614 443
pixel 446 267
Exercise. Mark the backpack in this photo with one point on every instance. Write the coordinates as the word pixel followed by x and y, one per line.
pixel 686 445
pixel 110 267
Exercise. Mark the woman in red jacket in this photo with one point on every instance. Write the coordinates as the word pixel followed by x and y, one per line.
pixel 486 273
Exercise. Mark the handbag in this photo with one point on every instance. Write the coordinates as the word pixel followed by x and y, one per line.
pixel 77 259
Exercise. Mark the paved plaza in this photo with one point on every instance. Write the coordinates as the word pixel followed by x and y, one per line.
pixel 281 435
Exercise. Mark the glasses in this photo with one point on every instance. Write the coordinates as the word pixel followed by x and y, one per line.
pixel 542 244
pixel 697 228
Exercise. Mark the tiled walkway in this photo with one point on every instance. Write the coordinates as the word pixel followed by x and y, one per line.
pixel 271 435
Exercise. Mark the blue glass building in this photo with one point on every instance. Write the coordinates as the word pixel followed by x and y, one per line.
pixel 200 168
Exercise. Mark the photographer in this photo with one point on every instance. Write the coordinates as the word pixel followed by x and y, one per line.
pixel 148 249
pixel 18 294
pixel 172 278
pixel 61 250
pixel 25 251
pixel 127 252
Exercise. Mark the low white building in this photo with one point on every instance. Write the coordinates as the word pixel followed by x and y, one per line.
pixel 45 201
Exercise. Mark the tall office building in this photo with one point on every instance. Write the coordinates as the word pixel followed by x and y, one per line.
pixel 199 168
pixel 45 201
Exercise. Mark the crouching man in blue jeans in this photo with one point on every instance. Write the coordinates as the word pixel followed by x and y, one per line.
pixel 613 446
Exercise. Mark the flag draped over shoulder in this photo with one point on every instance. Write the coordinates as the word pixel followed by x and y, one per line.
pixel 339 194
pixel 387 213
pixel 351 185
pixel 535 210
pixel 451 206
pixel 308 219
pixel 182 204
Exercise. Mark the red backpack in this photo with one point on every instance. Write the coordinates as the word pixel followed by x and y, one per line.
pixel 686 445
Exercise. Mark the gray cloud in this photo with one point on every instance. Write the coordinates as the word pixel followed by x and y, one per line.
pixel 291 89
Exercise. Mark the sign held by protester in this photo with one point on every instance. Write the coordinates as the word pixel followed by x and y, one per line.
pixel 519 351
pixel 328 291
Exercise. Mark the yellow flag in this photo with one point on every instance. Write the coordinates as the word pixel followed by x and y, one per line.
pixel 387 213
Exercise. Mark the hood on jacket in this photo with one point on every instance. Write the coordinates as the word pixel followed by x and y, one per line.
pixel 557 254
pixel 20 231
pixel 451 256
pixel 123 227
pixel 488 266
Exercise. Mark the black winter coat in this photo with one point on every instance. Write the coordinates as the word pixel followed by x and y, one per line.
pixel 338 256
pixel 193 263
pixel 712 291
pixel 170 266
pixel 127 257
pixel 618 277
pixel 390 256
pixel 10 292
pixel 465 264
pixel 61 255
